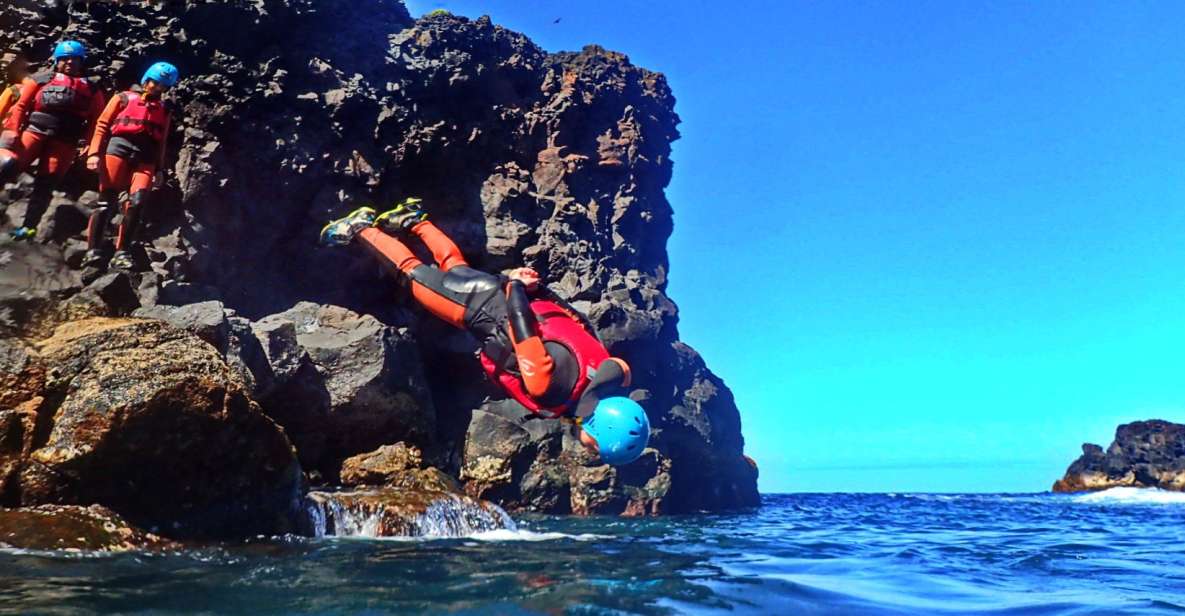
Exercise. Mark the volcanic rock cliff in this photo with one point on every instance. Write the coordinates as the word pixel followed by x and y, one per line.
pixel 1144 454
pixel 293 112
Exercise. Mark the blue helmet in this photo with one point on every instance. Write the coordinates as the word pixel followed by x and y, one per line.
pixel 69 49
pixel 162 73
pixel 621 429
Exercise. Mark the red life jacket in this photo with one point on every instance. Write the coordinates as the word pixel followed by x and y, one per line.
pixel 65 95
pixel 141 117
pixel 555 325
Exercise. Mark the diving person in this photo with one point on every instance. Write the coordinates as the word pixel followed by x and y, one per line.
pixel 540 351
pixel 55 110
pixel 128 152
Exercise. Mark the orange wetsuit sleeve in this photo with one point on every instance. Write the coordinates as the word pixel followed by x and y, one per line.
pixel 103 126
pixel 7 100
pixel 98 102
pixel 16 120
pixel 534 364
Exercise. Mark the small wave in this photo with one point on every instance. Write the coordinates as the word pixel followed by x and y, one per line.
pixel 1132 496
pixel 529 535
pixel 490 536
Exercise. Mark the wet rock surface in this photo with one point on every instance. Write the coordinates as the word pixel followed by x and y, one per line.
pixel 1144 454
pixel 73 528
pixel 387 512
pixel 149 421
pixel 557 161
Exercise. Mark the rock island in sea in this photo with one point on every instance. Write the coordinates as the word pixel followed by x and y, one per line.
pixel 207 393
pixel 1144 454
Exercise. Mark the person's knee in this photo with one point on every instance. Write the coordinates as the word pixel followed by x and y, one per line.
pixel 9 166
pixel 139 198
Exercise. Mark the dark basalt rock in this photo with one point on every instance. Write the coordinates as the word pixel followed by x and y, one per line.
pixel 294 111
pixel 1144 454
pixel 343 383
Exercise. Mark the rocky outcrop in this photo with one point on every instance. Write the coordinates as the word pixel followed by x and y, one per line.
pixel 396 466
pixel 557 161
pixel 149 421
pixel 342 383
pixel 72 528
pixel 1144 454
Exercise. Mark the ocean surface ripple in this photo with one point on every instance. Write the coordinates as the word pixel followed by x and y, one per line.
pixel 1116 552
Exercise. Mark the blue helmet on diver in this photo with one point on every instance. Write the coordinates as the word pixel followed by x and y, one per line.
pixel 620 428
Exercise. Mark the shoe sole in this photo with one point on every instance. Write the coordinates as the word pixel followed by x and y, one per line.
pixel 347 217
pixel 384 219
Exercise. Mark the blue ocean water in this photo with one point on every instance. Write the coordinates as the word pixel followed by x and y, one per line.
pixel 1116 552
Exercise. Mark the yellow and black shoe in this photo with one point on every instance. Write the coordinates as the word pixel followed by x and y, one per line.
pixel 402 217
pixel 342 231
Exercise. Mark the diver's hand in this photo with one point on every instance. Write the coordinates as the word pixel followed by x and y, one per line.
pixel 92 162
pixel 528 276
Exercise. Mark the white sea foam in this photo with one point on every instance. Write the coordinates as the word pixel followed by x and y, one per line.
pixel 491 536
pixel 1132 496
pixel 529 535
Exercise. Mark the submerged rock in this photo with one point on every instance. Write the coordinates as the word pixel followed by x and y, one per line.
pixel 72 528
pixel 1144 454
pixel 401 513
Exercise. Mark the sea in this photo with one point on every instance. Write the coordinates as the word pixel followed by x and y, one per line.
pixel 1121 551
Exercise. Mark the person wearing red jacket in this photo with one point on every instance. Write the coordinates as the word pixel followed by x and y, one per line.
pixel 128 152
pixel 15 68
pixel 55 110
pixel 539 350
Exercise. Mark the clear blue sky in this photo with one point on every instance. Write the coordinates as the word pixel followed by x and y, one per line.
pixel 931 246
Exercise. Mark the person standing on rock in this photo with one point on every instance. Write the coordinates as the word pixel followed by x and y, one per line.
pixel 54 111
pixel 128 152
pixel 15 69
pixel 540 351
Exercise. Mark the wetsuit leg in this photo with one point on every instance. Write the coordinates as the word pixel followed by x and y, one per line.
pixel 427 284
pixel 56 158
pixel 96 226
pixel 444 251
pixel 114 176
pixel 129 223
pixel 133 210
pixel 14 159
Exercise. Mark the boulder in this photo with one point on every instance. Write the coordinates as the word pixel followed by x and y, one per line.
pixel 73 529
pixel 149 421
pixel 343 383
pixel 381 465
pixel 206 320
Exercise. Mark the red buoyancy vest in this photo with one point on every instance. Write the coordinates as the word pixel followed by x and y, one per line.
pixel 141 117
pixel 555 325
pixel 67 95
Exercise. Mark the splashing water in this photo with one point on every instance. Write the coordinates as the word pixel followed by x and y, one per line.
pixel 353 514
pixel 1132 496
